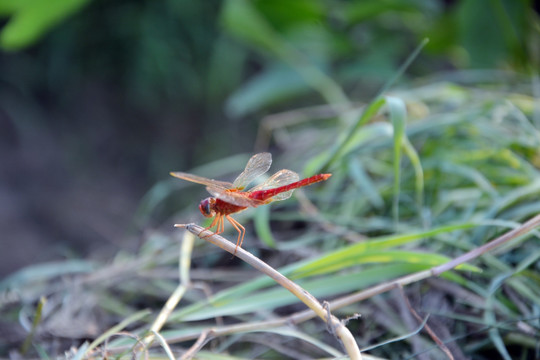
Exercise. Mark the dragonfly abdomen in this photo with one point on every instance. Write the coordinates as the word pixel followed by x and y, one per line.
pixel 267 194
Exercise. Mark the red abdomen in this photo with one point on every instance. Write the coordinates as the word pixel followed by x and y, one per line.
pixel 267 194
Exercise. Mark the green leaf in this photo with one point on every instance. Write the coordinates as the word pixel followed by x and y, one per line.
pixel 359 11
pixel 286 14
pixel 333 261
pixel 32 19
pixel 353 258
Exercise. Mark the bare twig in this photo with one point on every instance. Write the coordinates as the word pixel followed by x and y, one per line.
pixel 206 335
pixel 431 333
pixel 341 330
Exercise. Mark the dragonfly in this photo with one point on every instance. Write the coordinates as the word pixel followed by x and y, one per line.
pixel 231 198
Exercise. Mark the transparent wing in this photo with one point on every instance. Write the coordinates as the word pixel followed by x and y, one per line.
pixel 234 197
pixel 281 178
pixel 256 166
pixel 202 180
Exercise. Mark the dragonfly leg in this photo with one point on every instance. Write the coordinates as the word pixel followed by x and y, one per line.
pixel 222 223
pixel 241 231
pixel 217 219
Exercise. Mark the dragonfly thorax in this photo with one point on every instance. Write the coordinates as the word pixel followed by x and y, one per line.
pixel 207 207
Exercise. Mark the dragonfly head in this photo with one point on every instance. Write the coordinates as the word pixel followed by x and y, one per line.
pixel 207 207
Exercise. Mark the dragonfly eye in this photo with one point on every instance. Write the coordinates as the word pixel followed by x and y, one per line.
pixel 206 207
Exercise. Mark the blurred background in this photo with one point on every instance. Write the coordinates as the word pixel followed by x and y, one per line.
pixel 99 100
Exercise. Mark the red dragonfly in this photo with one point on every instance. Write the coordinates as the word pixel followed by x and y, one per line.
pixel 229 198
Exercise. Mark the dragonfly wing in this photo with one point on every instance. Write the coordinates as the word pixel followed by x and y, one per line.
pixel 256 166
pixel 234 197
pixel 202 180
pixel 281 178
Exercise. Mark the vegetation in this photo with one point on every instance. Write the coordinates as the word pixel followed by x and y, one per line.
pixel 434 147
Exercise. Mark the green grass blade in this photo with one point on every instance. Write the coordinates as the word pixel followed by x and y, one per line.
pixel 337 256
pixel 355 258
pixel 398 117
pixel 418 172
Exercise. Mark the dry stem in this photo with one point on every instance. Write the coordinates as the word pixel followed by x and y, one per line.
pixel 337 326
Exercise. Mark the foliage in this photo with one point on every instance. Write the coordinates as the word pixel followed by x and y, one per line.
pixel 31 19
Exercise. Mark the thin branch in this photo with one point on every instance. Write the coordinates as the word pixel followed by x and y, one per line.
pixel 431 333
pixel 341 330
pixel 206 335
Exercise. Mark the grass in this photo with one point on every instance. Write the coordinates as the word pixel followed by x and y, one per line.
pixel 432 172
